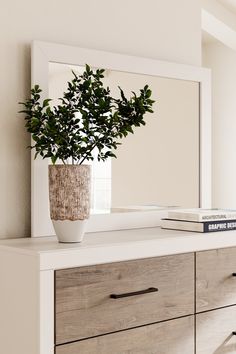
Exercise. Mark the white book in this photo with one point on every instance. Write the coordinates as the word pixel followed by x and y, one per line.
pixel 204 226
pixel 200 214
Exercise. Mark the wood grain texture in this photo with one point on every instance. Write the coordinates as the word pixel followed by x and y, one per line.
pixel 170 337
pixel 84 307
pixel 214 331
pixel 69 192
pixel 215 285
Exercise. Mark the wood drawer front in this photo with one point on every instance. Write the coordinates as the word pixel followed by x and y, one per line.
pixel 84 308
pixel 215 287
pixel 170 337
pixel 214 331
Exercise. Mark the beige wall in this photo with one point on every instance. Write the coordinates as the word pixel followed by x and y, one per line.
pixel 222 61
pixel 163 29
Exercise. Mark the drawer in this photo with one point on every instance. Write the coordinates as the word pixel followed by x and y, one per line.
pixel 214 331
pixel 84 307
pixel 170 337
pixel 215 284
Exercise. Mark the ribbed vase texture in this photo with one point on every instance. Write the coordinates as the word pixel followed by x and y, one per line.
pixel 69 192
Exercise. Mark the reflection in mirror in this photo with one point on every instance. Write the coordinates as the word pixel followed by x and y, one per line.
pixel 159 164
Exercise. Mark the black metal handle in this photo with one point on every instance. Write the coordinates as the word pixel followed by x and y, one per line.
pixel 233 274
pixel 234 333
pixel 134 293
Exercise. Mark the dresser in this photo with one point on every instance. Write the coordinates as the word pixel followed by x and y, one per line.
pixel 143 291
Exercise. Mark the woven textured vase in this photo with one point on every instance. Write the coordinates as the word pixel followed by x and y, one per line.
pixel 69 196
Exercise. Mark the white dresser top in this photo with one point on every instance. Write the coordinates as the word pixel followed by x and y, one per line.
pixel 113 246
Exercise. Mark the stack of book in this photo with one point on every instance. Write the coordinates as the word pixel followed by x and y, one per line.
pixel 200 220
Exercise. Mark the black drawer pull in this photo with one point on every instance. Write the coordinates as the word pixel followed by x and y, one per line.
pixel 134 293
pixel 234 333
pixel 233 274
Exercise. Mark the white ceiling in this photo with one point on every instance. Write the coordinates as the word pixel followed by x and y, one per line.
pixel 229 5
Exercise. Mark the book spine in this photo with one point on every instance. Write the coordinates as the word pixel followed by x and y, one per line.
pixel 202 218
pixel 219 226
pixel 217 217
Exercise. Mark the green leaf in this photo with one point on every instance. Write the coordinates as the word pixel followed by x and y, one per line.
pixel 87 68
pixel 53 159
pixel 46 102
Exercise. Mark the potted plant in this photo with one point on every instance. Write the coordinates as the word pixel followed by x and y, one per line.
pixel 87 118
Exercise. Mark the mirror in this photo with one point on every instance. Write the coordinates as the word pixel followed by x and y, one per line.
pixel 161 165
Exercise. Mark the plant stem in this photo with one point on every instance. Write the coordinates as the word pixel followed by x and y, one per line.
pixel 93 146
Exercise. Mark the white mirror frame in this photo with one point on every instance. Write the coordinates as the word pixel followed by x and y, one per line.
pixel 42 54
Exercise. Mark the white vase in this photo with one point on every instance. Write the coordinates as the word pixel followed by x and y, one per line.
pixel 68 231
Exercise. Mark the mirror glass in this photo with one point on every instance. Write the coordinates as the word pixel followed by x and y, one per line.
pixel 158 165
